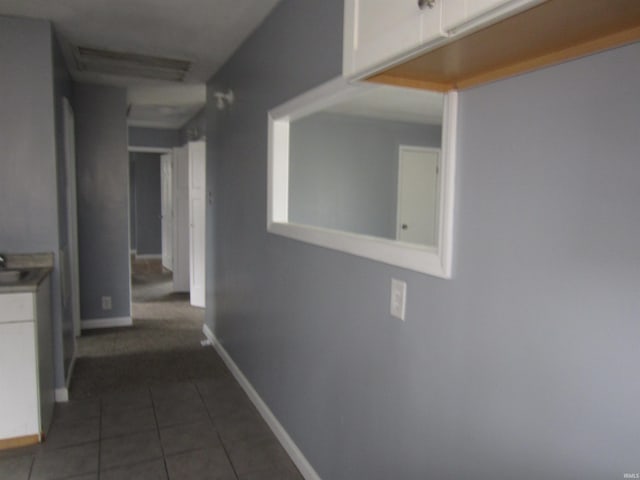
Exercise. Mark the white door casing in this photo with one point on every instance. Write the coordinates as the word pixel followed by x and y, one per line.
pixel 72 213
pixel 197 198
pixel 181 230
pixel 166 174
pixel 418 193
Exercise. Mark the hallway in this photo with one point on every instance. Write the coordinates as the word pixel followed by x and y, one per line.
pixel 150 402
pixel 163 345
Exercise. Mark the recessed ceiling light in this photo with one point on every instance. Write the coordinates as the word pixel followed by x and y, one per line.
pixel 97 60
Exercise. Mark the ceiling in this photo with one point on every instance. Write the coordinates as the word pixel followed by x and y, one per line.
pixel 202 32
pixel 394 103
pixel 164 106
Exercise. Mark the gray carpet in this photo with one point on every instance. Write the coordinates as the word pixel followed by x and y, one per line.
pixel 163 345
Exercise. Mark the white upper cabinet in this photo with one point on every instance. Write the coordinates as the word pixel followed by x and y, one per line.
pixel 380 33
pixel 377 32
pixel 463 15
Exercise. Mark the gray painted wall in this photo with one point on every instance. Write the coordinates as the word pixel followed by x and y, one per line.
pixel 27 138
pixel 147 203
pixel 343 171
pixel 103 199
pixel 29 151
pixel 154 137
pixel 524 365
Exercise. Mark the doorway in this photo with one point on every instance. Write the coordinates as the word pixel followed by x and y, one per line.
pixel 167 211
pixel 418 193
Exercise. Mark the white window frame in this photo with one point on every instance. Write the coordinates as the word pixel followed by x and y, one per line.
pixel 436 261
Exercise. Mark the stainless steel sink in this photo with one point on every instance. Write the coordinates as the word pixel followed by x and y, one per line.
pixel 12 276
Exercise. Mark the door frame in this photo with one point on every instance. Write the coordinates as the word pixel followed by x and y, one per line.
pixel 197 221
pixel 166 210
pixel 181 232
pixel 72 213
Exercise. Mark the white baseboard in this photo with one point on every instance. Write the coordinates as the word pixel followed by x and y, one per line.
pixel 149 256
pixel 62 395
pixel 106 323
pixel 287 443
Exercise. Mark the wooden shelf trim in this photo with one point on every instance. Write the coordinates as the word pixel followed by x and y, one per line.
pixel 551 33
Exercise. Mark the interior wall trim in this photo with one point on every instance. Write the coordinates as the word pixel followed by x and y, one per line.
pixel 149 256
pixel 281 434
pixel 133 149
pixel 16 442
pixel 62 395
pixel 106 323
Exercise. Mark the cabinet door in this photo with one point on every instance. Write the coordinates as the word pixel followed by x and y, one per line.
pixel 431 15
pixel 377 31
pixel 18 382
pixel 463 15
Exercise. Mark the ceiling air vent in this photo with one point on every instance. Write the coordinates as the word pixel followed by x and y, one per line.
pixel 96 60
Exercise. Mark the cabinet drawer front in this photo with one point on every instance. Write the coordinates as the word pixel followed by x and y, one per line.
pixel 16 307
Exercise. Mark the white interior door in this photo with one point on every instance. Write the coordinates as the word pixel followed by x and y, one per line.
pixel 197 198
pixel 181 277
pixel 166 174
pixel 73 267
pixel 418 193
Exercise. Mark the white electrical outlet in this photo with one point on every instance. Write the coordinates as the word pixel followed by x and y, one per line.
pixel 106 303
pixel 398 298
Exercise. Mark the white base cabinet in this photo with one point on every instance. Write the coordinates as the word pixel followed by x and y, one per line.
pixel 26 366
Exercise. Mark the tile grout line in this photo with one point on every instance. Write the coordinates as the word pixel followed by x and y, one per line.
pixel 224 448
pixel 33 461
pixel 99 434
pixel 155 417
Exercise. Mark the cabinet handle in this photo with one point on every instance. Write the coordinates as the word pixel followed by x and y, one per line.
pixel 426 3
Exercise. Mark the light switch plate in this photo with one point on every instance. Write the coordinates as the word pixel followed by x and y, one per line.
pixel 398 298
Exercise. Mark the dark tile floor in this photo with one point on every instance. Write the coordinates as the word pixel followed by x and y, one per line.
pixel 189 430
pixel 161 409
